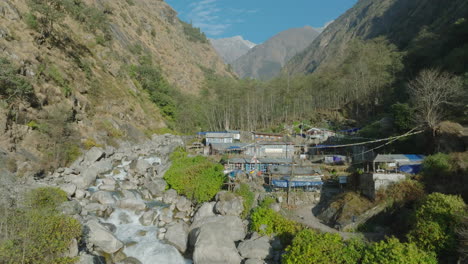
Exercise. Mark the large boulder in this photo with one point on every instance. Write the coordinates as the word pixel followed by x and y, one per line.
pixel 69 188
pixel 254 261
pixel 103 197
pixel 156 187
pixel 134 204
pixel 183 204
pixel 142 166
pixel 228 204
pixel 255 248
pixel 231 227
pixel 70 208
pixel 206 210
pixel 177 235
pixel 213 247
pixel 170 196
pixel 93 155
pixel 86 178
pixel 148 218
pixel 102 238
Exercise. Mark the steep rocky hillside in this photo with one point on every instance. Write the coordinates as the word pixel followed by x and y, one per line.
pixel 266 60
pixel 230 49
pixel 93 72
pixel 404 23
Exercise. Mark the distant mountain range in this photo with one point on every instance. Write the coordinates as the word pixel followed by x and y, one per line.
pixel 230 49
pixel 416 26
pixel 266 60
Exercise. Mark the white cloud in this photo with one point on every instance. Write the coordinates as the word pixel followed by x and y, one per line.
pixel 213 19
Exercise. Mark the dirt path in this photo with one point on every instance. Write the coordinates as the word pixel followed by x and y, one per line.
pixel 305 216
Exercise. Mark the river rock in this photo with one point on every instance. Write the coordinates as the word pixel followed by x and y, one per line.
pixel 183 204
pixel 177 235
pixel 69 188
pixel 170 196
pixel 228 204
pixel 166 215
pixel 70 208
pixel 275 207
pixel 255 248
pixel 134 204
pixel 206 210
pixel 102 238
pixel 128 185
pixel 86 178
pixel 130 260
pixel 231 227
pixel 80 194
pixel 86 259
pixel 213 247
pixel 142 166
pixel 156 187
pixel 96 208
pixel 72 249
pixel 107 187
pixel 93 155
pixel 103 197
pixel 254 261
pixel 148 218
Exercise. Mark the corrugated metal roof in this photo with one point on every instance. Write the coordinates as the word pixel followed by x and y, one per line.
pixel 218 135
pixel 228 146
pixel 400 158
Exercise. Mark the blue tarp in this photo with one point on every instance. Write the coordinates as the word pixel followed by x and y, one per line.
pixel 284 184
pixel 410 169
pixel 415 158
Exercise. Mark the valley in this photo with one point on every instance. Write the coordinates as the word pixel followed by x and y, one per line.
pixel 132 136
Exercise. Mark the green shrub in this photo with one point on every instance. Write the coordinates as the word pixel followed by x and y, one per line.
pixel 393 251
pixel 436 167
pixel 39 237
pixel 46 198
pixel 248 198
pixel 402 116
pixel 267 222
pixel 71 153
pixel 312 247
pixel 31 21
pixel 195 177
pixel 14 87
pixel 89 143
pixel 436 219
pixel 159 90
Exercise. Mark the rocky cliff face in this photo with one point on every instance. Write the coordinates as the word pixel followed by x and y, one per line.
pixel 266 60
pixel 399 21
pixel 84 90
pixel 230 49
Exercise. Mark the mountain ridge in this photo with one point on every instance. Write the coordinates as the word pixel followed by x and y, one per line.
pixel 264 61
pixel 230 49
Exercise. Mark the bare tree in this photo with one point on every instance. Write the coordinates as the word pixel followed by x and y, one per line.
pixel 432 92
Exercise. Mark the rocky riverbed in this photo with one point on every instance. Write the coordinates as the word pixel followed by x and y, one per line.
pixel 128 216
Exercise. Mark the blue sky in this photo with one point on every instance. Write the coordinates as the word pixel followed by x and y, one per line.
pixel 257 20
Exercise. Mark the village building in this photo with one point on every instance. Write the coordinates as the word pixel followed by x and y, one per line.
pixel 321 134
pixel 388 169
pixel 370 183
pixel 271 149
pixel 405 163
pixel 225 148
pixel 308 178
pixel 254 164
pixel 218 137
pixel 257 136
